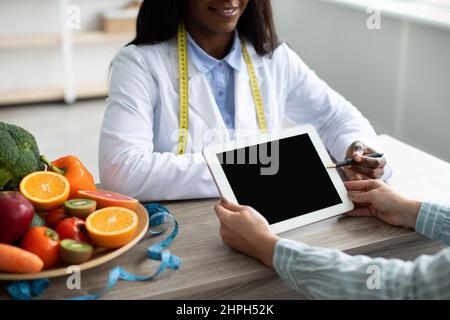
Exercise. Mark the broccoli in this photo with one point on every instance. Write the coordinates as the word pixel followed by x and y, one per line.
pixel 19 155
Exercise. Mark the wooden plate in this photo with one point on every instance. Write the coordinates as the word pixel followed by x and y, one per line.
pixel 100 255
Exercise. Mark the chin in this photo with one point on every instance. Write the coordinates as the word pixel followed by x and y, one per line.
pixel 224 27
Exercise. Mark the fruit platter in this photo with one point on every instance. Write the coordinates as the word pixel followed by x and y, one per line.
pixel 53 216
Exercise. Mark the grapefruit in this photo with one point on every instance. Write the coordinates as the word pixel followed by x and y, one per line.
pixel 106 199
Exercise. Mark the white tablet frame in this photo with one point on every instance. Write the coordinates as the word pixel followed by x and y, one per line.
pixel 210 153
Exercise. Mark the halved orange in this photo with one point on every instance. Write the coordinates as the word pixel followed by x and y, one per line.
pixel 112 227
pixel 46 190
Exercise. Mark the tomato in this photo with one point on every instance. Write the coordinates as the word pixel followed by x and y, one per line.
pixel 43 242
pixel 54 217
pixel 72 228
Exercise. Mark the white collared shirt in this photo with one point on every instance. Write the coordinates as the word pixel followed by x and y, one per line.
pixel 139 135
pixel 220 74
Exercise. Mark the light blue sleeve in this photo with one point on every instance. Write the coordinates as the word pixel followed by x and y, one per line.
pixel 433 221
pixel 321 273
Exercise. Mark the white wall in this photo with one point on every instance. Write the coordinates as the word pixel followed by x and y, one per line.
pixel 42 16
pixel 400 82
pixel 38 67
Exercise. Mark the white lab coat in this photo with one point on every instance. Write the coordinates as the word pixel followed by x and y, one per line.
pixel 139 135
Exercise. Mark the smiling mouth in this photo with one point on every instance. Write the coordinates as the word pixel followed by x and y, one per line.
pixel 225 12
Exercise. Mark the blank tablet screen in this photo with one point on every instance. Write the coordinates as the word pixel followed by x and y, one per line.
pixel 282 179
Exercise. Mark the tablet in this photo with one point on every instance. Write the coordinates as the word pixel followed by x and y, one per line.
pixel 281 175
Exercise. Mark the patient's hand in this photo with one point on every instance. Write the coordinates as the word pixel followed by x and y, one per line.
pixel 375 198
pixel 244 229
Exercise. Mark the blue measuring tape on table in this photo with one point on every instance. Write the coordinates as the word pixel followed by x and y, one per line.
pixel 158 217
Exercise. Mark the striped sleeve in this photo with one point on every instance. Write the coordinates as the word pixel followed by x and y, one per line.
pixel 433 221
pixel 321 273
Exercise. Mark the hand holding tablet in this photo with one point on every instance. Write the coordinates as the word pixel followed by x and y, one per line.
pixel 282 176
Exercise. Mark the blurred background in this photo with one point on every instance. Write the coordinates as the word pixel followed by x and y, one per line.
pixel 395 67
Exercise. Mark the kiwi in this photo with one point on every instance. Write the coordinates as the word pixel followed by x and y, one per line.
pixel 80 208
pixel 74 252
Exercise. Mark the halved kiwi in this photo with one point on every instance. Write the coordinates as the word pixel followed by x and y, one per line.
pixel 74 252
pixel 80 208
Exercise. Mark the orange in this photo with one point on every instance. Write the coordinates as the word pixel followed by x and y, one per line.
pixel 46 190
pixel 112 227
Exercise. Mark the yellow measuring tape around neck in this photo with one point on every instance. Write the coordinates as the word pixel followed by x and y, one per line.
pixel 184 89
pixel 184 99
pixel 255 89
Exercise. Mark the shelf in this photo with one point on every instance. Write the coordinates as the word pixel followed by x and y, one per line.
pixel 72 48
pixel 91 91
pixel 47 94
pixel 53 40
pixel 87 37
pixel 27 41
pixel 28 95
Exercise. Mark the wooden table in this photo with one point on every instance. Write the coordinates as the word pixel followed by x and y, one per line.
pixel 210 270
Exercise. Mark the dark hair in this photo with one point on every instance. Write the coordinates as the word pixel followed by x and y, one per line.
pixel 158 21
